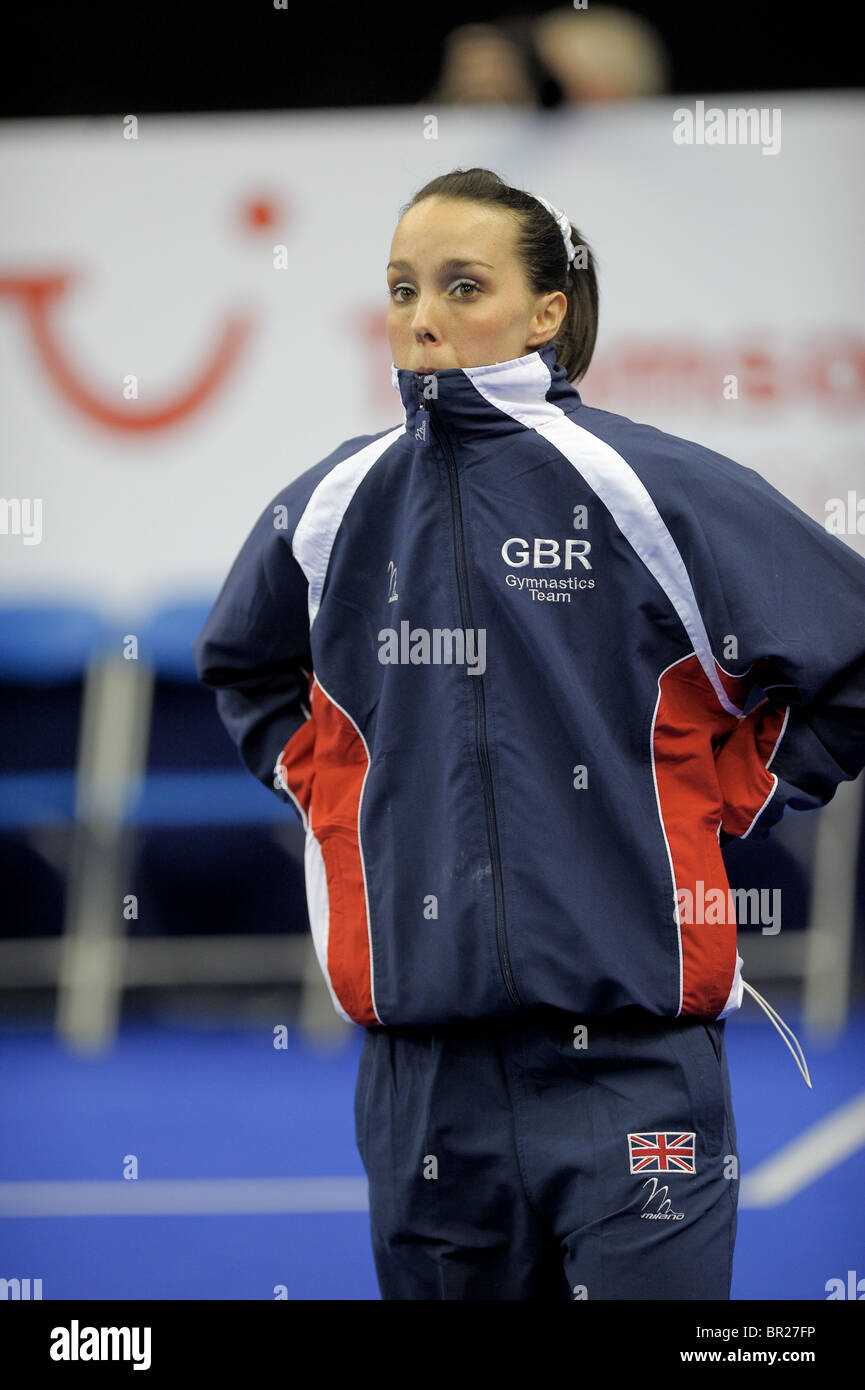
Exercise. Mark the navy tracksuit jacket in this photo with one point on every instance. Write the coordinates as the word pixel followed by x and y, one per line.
pixel 523 667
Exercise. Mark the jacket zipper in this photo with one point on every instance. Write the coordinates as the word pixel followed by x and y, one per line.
pixel 480 714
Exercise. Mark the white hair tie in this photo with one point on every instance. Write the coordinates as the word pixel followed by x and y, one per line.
pixel 564 227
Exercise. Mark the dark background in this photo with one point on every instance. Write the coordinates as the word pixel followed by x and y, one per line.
pixel 64 59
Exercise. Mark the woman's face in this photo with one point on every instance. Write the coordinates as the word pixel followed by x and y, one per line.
pixel 458 292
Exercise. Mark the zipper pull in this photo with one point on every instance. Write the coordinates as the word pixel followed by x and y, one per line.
pixel 421 424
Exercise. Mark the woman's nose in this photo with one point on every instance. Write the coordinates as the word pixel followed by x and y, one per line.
pixel 424 317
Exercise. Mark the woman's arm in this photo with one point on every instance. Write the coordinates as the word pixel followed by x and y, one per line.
pixel 792 754
pixel 786 600
pixel 254 651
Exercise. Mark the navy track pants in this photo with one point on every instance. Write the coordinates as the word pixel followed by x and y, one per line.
pixel 550 1156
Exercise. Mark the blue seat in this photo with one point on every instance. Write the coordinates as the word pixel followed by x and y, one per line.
pixel 46 650
pixel 206 855
pixel 207 797
pixel 194 775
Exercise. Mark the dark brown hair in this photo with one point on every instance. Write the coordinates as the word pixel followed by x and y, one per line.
pixel 542 250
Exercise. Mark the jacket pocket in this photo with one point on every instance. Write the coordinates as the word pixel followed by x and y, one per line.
pixel 714 1038
pixel 361 1092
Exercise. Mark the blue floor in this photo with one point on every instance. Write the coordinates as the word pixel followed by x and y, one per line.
pixel 218 1104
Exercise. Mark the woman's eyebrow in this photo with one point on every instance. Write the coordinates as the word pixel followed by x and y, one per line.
pixel 445 265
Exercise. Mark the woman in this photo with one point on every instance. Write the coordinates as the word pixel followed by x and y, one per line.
pixel 499 659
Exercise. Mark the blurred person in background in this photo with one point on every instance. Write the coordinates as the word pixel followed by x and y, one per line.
pixel 602 53
pixel 566 56
pixel 495 65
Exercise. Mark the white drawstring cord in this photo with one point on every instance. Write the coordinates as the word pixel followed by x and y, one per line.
pixel 773 1015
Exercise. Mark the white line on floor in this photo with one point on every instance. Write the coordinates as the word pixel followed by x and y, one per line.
pixel 184 1197
pixel 776 1180
pixel 805 1158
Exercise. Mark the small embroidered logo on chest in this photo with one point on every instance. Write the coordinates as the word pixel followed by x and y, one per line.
pixel 392 594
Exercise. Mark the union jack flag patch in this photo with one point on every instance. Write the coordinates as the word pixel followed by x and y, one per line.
pixel 662 1151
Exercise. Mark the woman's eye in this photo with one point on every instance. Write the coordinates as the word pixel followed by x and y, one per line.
pixel 396 292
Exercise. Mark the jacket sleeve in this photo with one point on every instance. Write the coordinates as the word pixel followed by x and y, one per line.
pixel 254 652
pixel 792 598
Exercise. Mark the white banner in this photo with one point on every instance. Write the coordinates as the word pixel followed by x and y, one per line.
pixel 192 309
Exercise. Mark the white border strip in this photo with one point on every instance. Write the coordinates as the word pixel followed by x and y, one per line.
pixel 322 516
pixel 676 916
pixel 318 911
pixel 616 484
pixel 317 877
pixel 773 775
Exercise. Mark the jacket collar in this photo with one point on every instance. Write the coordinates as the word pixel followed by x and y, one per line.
pixel 490 401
